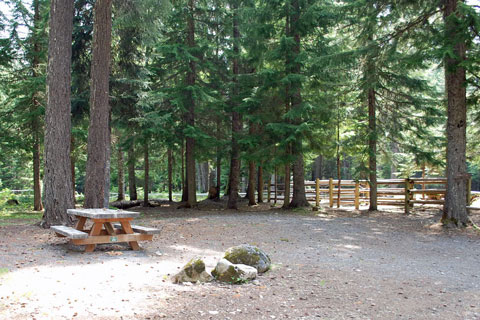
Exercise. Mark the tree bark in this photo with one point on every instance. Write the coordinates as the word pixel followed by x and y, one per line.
pixel 37 191
pixel 58 187
pixel 147 176
pixel 121 175
pixel 260 184
pixel 234 177
pixel 97 171
pixel 454 211
pixel 132 180
pixel 372 122
pixel 288 101
pixel 190 115
pixel 372 149
pixel 170 171
pixel 299 198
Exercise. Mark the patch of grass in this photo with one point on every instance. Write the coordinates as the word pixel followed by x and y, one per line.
pixel 19 214
pixel 3 271
pixel 306 211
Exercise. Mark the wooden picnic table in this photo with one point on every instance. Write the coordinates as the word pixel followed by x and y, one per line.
pixel 109 226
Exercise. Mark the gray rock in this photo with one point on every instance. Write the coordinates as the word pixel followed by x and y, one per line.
pixel 193 271
pixel 249 255
pixel 226 271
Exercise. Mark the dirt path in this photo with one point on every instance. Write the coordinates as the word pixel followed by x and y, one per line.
pixel 337 266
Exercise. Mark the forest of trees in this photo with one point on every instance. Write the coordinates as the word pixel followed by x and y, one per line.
pixel 138 96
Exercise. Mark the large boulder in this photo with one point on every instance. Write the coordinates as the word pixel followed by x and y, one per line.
pixel 249 255
pixel 194 271
pixel 226 271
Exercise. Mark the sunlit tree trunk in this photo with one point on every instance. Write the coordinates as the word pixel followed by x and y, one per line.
pixel 58 186
pixel 97 171
pixel 455 212
pixel 234 177
pixel 299 198
pixel 37 191
pixel 190 115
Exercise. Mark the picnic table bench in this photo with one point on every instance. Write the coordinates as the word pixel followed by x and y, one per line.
pixel 109 226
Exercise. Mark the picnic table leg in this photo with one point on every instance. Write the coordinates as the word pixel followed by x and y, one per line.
pixel 128 230
pixel 96 229
pixel 109 228
pixel 81 223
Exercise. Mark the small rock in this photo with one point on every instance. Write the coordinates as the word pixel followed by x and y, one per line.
pixel 249 255
pixel 192 272
pixel 225 271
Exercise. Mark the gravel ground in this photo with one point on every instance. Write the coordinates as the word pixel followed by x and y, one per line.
pixel 332 265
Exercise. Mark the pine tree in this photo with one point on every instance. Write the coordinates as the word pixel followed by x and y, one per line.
pixel 455 211
pixel 58 188
pixel 98 161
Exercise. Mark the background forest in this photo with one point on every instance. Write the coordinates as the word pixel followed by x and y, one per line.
pixel 313 89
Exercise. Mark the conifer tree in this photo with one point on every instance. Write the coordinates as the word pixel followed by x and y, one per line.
pixel 58 187
pixel 98 161
pixel 455 211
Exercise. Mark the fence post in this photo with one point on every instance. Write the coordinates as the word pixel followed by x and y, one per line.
pixel 409 185
pixel 357 195
pixel 317 192
pixel 330 192
pixel 407 197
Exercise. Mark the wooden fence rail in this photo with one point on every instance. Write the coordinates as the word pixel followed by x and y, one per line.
pixel 390 192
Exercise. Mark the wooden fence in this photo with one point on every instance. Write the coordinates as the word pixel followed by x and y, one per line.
pixel 390 192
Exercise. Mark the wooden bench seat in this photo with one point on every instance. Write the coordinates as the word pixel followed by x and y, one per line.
pixel 473 208
pixel 140 229
pixel 69 232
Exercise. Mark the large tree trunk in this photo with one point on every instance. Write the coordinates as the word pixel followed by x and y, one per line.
pixel 99 128
pixel 37 191
pixel 299 198
pixel 372 150
pixel 147 176
pixel 288 101
pixel 132 180
pixel 455 212
pixel 190 115
pixel 170 171
pixel 58 187
pixel 372 124
pixel 234 177
pixel 121 175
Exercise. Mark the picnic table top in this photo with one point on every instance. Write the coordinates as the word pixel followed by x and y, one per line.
pixel 102 213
